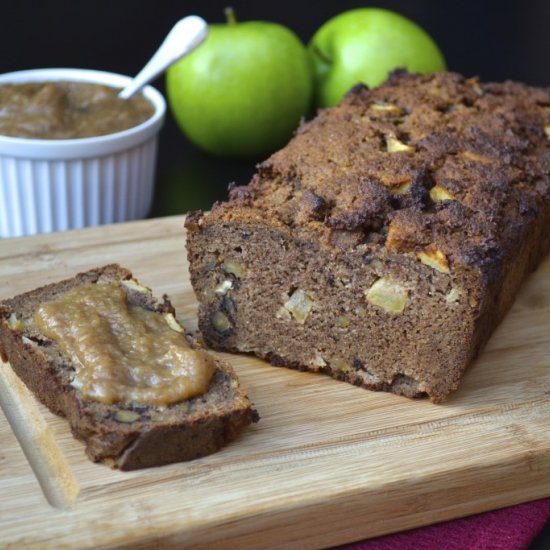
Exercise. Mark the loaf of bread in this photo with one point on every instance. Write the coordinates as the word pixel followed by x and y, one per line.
pixel 124 434
pixel 386 241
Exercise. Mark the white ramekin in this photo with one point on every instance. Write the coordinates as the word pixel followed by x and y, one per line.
pixel 54 185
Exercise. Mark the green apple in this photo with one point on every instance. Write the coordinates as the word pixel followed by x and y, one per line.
pixel 243 91
pixel 364 45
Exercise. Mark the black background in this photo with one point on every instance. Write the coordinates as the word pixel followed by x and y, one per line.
pixel 493 40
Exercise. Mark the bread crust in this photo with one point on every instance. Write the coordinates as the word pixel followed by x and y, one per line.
pixel 408 215
pixel 196 427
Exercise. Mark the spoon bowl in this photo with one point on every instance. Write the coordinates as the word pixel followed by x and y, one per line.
pixel 58 184
pixel 185 36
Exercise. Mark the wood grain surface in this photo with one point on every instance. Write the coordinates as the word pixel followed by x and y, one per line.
pixel 327 463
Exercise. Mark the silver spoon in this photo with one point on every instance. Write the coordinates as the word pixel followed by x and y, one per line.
pixel 184 37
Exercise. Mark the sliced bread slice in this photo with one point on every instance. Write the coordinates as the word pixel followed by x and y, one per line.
pixel 124 435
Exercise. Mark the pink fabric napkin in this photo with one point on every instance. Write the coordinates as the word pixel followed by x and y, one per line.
pixel 511 528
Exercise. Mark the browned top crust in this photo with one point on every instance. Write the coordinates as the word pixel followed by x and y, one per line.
pixel 422 160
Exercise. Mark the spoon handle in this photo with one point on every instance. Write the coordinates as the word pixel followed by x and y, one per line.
pixel 184 37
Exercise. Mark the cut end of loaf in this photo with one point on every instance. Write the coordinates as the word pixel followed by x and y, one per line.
pixel 356 317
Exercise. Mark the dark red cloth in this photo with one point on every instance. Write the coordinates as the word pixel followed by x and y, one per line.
pixel 512 528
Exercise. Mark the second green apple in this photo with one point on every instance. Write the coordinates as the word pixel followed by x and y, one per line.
pixel 364 45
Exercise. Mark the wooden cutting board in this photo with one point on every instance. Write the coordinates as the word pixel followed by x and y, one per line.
pixel 327 463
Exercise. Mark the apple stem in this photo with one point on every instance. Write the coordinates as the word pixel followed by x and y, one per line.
pixel 230 15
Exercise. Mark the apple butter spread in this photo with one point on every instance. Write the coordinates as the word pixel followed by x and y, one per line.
pixel 123 353
pixel 68 110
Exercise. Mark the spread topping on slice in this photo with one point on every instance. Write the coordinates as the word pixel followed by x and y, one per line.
pixel 123 353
